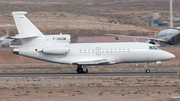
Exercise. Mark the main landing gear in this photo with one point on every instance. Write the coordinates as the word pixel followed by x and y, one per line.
pixel 147 66
pixel 82 69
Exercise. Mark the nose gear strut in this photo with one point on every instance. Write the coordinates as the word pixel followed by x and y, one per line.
pixel 147 66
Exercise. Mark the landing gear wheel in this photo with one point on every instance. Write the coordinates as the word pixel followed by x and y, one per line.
pixel 147 71
pixel 79 70
pixel 86 71
pixel 147 67
pixel 82 69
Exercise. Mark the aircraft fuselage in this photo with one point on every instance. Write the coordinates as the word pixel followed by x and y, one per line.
pixel 113 52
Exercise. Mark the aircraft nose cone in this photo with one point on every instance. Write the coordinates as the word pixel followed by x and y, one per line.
pixel 168 56
pixel 172 56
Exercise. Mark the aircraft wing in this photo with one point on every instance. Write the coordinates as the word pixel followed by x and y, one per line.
pixel 153 39
pixel 95 62
pixel 21 36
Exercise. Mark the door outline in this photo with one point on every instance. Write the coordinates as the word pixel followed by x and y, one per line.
pixel 98 51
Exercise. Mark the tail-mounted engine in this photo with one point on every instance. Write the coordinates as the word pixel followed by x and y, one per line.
pixel 161 43
pixel 150 41
pixel 60 49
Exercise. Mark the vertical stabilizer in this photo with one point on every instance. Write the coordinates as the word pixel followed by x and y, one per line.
pixel 28 32
pixel 24 26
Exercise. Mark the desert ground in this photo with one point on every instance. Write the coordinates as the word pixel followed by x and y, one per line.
pixel 89 89
pixel 82 18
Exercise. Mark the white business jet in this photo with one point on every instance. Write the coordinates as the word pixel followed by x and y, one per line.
pixel 58 49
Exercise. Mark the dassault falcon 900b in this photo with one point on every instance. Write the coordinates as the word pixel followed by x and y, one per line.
pixel 58 49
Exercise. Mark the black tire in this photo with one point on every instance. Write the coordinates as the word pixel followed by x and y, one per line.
pixel 79 70
pixel 147 71
pixel 86 71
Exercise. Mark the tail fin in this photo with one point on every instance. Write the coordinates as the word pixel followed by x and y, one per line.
pixel 26 29
pixel 23 24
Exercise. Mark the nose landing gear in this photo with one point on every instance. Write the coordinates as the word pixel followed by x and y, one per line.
pixel 147 66
pixel 147 71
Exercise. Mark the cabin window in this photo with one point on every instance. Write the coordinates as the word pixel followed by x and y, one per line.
pixel 102 50
pixel 124 50
pixel 106 50
pixel 115 50
pixel 89 51
pixel 80 51
pixel 119 50
pixel 84 51
pixel 111 50
pixel 93 51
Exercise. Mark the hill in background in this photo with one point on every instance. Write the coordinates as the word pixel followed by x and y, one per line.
pixel 89 17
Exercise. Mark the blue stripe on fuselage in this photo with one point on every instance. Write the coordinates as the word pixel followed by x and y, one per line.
pixel 173 40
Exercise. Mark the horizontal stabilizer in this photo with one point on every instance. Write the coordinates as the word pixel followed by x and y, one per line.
pixel 22 36
pixel 15 46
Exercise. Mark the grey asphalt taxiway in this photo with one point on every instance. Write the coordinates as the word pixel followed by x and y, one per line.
pixel 121 74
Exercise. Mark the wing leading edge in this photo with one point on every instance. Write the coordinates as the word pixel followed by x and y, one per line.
pixel 152 39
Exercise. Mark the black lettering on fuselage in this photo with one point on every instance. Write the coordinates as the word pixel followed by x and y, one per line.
pixel 59 38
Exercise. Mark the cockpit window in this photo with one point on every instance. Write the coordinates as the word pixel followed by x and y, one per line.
pixel 157 48
pixel 151 48
pixel 154 48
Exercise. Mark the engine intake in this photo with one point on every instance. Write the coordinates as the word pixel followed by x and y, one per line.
pixel 16 50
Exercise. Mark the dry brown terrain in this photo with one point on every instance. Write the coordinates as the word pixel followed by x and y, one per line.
pixel 90 89
pixel 87 18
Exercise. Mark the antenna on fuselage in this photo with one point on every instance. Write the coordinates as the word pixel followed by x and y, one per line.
pixel 171 14
pixel 103 30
